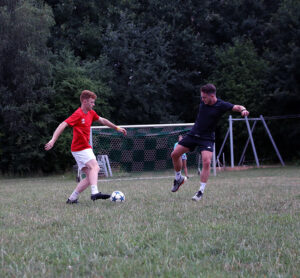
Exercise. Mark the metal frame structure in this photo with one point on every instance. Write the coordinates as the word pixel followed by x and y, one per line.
pixel 104 166
pixel 250 139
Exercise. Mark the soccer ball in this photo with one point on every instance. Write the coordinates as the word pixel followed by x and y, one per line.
pixel 117 196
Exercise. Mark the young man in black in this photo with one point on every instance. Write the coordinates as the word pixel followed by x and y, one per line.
pixel 202 135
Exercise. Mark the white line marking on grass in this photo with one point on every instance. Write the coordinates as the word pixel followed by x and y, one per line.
pixel 143 178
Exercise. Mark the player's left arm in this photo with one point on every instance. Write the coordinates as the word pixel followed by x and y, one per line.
pixel 108 123
pixel 241 109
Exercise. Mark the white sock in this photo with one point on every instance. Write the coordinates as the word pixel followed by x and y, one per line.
pixel 94 189
pixel 74 195
pixel 177 175
pixel 202 186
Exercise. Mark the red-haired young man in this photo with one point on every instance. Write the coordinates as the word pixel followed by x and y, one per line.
pixel 81 121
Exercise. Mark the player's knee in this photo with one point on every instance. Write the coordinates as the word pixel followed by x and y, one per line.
pixel 96 168
pixel 174 155
pixel 206 163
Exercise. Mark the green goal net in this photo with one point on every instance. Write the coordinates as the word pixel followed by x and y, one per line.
pixel 145 148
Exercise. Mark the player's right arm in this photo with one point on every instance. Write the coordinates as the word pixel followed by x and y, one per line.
pixel 240 108
pixel 55 136
pixel 108 123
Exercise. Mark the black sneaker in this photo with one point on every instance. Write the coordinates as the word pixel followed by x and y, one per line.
pixel 72 202
pixel 197 196
pixel 178 183
pixel 99 195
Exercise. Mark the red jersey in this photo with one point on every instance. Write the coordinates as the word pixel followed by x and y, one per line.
pixel 81 124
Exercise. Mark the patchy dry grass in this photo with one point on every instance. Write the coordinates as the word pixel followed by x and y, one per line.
pixel 247 225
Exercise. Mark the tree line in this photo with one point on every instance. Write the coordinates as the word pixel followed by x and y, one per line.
pixel 146 60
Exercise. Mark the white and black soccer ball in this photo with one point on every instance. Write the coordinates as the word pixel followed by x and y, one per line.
pixel 117 196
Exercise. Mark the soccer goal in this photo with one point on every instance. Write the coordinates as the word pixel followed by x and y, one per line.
pixel 145 148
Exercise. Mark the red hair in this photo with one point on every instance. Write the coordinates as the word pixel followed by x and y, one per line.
pixel 86 94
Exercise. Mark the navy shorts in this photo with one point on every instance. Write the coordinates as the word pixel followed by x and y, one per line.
pixel 191 142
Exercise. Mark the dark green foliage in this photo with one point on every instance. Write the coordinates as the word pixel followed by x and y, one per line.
pixel 25 74
pixel 146 60
pixel 142 70
pixel 284 54
pixel 80 24
pixel 240 75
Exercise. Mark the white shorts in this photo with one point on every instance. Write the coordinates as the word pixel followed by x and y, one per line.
pixel 84 156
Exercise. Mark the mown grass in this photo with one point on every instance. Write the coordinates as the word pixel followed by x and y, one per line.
pixel 247 225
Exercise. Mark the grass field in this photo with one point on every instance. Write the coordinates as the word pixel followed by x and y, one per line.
pixel 247 225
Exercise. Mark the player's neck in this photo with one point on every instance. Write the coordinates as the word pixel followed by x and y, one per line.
pixel 213 101
pixel 84 109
